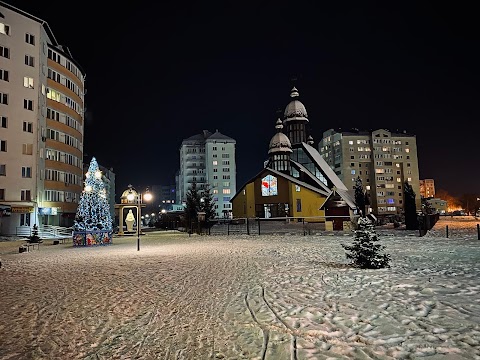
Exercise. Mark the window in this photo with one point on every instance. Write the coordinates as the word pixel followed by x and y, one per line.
pixel 26 195
pixel 215 191
pixel 299 205
pixel 3 98
pixel 3 145
pixel 226 183
pixel 353 172
pixel 3 75
pixel 26 172
pixel 214 148
pixel 350 142
pixel 3 170
pixel 30 39
pixel 297 188
pixel 215 162
pixel 3 122
pixel 226 191
pixel 409 179
pixel 2 194
pixel 28 82
pixel 25 219
pixel 226 169
pixel 4 29
pixel 53 95
pixel 226 198
pixel 269 186
pixel 28 104
pixel 27 149
pixel 4 52
pixel 28 127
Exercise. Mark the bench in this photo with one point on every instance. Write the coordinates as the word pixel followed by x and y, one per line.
pixel 26 247
pixel 59 241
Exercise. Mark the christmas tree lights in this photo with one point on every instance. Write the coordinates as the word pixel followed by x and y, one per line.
pixel 93 212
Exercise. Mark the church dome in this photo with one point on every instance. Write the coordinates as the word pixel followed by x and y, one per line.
pixel 280 142
pixel 295 109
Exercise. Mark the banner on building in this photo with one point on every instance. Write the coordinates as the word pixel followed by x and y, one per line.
pixel 5 210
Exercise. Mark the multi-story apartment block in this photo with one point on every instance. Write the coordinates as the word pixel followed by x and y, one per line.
pixel 41 124
pixel 208 158
pixel 427 188
pixel 383 160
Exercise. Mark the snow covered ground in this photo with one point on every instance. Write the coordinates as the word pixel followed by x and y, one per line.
pixel 242 297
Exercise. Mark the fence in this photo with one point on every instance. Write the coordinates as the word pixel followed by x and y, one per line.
pixel 317 225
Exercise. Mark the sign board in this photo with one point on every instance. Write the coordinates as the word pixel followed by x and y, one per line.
pixel 5 210
pixel 47 211
pixel 22 209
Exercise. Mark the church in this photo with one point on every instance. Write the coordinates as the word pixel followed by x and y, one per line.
pixel 295 181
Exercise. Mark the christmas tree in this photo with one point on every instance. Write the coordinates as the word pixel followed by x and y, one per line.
pixel 93 212
pixel 364 252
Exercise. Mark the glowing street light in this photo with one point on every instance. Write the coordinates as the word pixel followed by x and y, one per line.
pixel 140 197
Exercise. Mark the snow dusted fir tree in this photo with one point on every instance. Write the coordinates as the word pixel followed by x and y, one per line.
pixel 93 213
pixel 365 253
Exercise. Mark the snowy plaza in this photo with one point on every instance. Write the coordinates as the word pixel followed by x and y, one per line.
pixel 242 297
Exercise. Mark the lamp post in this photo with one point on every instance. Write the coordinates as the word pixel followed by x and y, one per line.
pixel 147 196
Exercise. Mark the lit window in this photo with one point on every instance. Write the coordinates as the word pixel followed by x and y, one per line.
pixel 409 179
pixel 226 191
pixel 215 162
pixel 399 180
pixel 407 150
pixel 367 187
pixel 353 172
pixel 297 188
pixel 28 82
pixel 350 142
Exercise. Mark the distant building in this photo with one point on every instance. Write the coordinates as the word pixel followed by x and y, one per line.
pixel 441 206
pixel 208 158
pixel 163 194
pixel 383 160
pixel 427 188
pixel 41 124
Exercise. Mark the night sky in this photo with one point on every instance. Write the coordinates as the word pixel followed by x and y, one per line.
pixel 157 74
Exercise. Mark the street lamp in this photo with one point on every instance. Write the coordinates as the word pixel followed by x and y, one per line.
pixel 147 197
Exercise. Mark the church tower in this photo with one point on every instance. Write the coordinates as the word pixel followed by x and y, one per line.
pixel 296 120
pixel 279 150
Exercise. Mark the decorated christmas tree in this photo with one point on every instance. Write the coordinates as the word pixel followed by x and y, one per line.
pixel 93 212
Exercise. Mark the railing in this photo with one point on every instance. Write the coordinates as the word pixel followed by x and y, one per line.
pixel 45 231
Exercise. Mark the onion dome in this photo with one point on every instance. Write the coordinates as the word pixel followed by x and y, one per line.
pixel 295 110
pixel 280 142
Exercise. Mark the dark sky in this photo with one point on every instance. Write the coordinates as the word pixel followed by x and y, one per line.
pixel 159 73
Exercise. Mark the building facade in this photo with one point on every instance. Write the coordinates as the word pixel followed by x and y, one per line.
pixel 208 159
pixel 427 188
pixel 383 160
pixel 41 128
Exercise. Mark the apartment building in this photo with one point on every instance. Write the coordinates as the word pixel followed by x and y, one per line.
pixel 209 158
pixel 427 188
pixel 384 161
pixel 41 124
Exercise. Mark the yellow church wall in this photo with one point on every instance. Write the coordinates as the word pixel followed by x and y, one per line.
pixel 311 202
pixel 244 203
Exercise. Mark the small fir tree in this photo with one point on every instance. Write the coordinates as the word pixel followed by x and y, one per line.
pixel 93 211
pixel 411 220
pixel 207 204
pixel 34 238
pixel 359 196
pixel 192 205
pixel 365 253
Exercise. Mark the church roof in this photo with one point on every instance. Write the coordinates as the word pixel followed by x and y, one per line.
pixel 295 110
pixel 285 176
pixel 324 167
pixel 280 143
pixel 344 195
